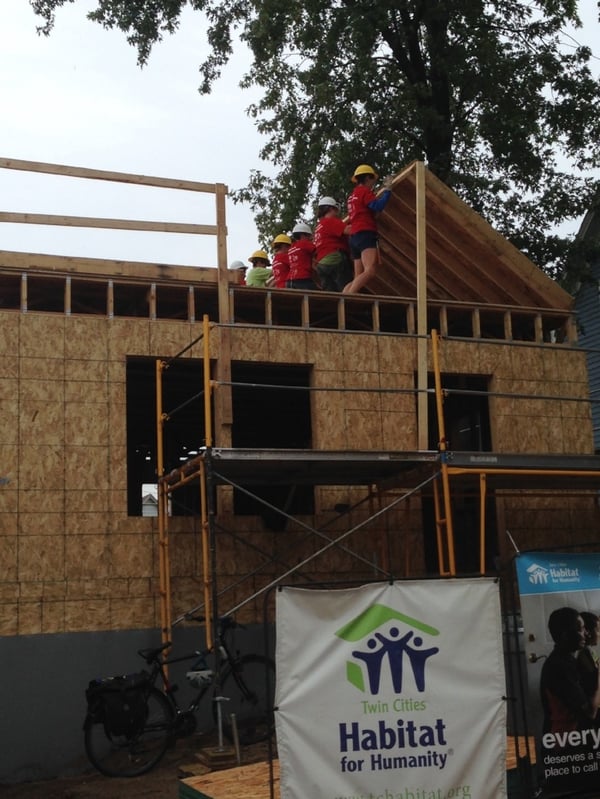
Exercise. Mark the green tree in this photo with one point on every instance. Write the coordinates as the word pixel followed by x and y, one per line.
pixel 493 96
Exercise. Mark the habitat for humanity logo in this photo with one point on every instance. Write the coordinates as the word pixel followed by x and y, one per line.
pixel 557 573
pixel 538 575
pixel 385 646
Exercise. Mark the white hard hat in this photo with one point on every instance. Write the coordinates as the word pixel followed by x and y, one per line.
pixel 302 227
pixel 237 265
pixel 328 201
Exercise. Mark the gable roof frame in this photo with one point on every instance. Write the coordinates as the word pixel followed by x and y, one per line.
pixel 466 258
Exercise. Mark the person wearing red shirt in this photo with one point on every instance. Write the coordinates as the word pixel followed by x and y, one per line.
pixel 241 268
pixel 280 264
pixel 301 255
pixel 363 204
pixel 331 242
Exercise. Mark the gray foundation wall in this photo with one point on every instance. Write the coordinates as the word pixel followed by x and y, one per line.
pixel 43 684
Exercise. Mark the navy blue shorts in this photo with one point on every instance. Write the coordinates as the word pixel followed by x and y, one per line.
pixel 363 240
pixel 302 283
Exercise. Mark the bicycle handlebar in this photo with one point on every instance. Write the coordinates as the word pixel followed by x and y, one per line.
pixel 151 655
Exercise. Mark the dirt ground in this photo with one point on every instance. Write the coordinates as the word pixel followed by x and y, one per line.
pixel 160 783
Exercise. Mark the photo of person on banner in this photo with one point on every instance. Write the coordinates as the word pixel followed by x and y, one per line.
pixel 571 703
pixel 566 704
pixel 587 658
pixel 560 598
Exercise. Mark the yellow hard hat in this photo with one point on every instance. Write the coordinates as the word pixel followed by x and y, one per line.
pixel 259 255
pixel 283 238
pixel 363 169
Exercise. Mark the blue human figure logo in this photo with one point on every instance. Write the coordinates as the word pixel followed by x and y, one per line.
pixel 396 650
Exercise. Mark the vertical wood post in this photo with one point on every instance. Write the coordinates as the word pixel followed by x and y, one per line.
pixel 421 223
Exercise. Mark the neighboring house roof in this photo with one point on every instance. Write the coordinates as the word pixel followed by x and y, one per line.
pixel 467 260
pixel 591 222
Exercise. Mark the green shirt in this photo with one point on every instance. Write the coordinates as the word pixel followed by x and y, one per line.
pixel 258 276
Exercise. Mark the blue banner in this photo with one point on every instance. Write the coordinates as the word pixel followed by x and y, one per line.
pixel 560 607
pixel 548 573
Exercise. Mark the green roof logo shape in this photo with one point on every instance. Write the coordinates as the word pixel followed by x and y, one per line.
pixel 365 672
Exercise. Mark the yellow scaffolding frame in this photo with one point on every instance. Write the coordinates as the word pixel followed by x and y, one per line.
pixel 196 468
pixel 164 568
pixel 442 469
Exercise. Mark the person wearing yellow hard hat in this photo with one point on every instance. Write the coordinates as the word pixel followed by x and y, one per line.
pixel 281 261
pixel 333 264
pixel 363 204
pixel 259 273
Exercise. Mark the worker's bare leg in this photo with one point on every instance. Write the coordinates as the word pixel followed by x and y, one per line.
pixel 368 263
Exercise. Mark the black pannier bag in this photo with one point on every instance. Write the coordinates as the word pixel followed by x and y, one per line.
pixel 120 703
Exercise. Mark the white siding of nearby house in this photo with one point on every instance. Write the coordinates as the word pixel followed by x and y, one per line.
pixel 149 505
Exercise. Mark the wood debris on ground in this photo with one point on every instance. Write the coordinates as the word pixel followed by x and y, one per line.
pixel 242 782
pixel 253 781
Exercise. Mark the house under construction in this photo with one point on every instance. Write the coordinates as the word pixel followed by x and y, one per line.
pixel 428 427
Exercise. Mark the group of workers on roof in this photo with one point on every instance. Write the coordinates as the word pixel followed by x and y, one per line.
pixel 342 255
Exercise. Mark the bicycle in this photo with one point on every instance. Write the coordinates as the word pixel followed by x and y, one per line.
pixel 131 721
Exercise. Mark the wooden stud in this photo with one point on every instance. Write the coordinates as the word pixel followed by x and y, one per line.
pixel 508 326
pixel 476 323
pixel 421 233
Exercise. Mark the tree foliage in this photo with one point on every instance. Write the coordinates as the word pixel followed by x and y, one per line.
pixel 493 96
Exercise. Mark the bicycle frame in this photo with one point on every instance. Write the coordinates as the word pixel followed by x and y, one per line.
pixel 222 656
pixel 241 680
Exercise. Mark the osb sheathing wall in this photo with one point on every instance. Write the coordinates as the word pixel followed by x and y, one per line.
pixel 539 403
pixel 72 558
pixel 519 375
pixel 537 393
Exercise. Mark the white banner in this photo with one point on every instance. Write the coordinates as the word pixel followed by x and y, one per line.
pixel 391 691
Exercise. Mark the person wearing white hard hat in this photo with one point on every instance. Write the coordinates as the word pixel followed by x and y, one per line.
pixel 301 255
pixel 239 266
pixel 333 264
pixel 363 204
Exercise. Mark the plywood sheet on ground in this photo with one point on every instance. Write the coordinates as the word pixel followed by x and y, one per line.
pixel 252 782
pixel 243 782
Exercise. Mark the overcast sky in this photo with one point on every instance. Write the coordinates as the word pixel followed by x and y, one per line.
pixel 79 98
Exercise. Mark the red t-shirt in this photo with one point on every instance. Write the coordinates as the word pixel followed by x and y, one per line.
pixel 301 255
pixel 281 268
pixel 329 236
pixel 361 216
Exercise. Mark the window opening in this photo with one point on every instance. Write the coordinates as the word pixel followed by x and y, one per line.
pixel 88 297
pixel 10 292
pixel 272 412
pixel 467 423
pixel 206 303
pixel 172 302
pixel 149 499
pixel 184 432
pixel 45 294
pixel 131 300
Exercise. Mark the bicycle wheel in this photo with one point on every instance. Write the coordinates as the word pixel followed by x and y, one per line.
pixel 131 755
pixel 244 686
